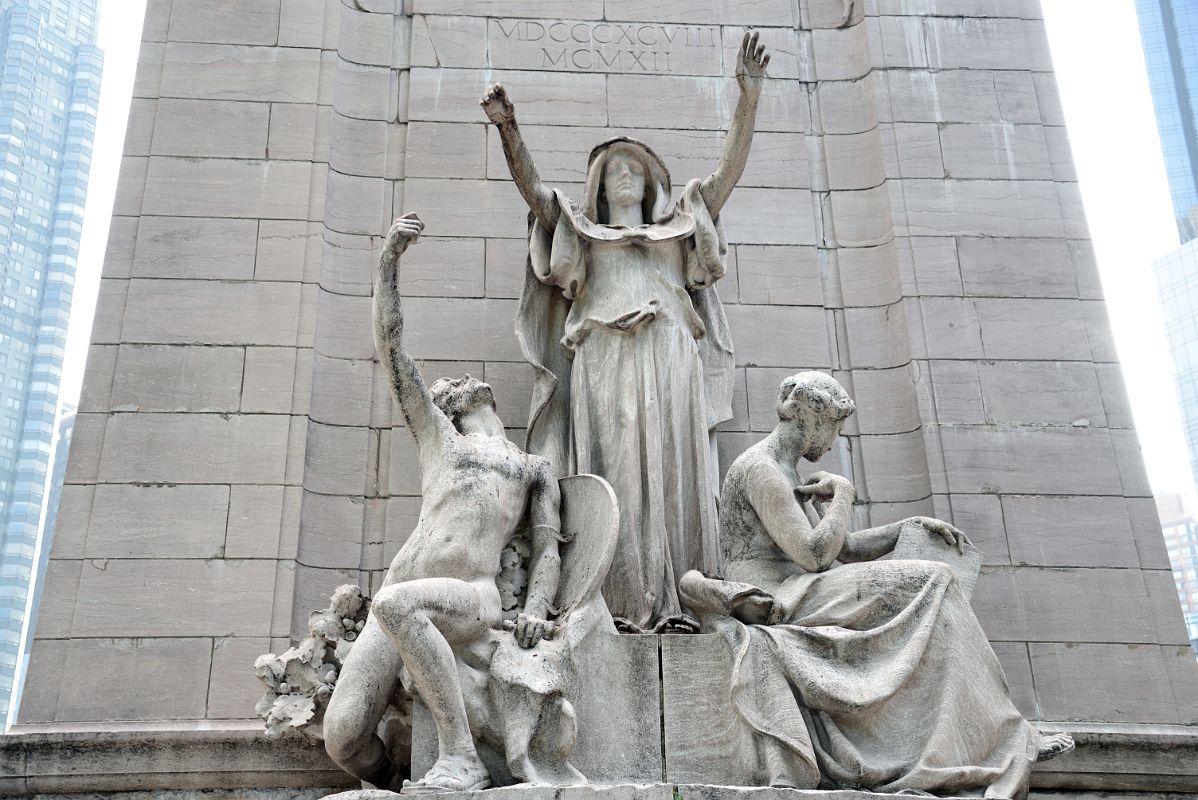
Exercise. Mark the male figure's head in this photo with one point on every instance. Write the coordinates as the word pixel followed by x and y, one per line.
pixel 814 406
pixel 462 398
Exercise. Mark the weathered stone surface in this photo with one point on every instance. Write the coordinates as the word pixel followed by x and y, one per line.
pixel 179 760
pixel 177 378
pixel 1015 152
pixel 156 666
pixel 189 247
pixel 254 522
pixel 170 597
pixel 1073 682
pixel 157 522
pixel 444 268
pixel 227 188
pixel 960 95
pixel 451 95
pixel 229 72
pixel 210 128
pixel 1017 267
pixel 1069 531
pixel 194 448
pixel 211 312
pixel 1044 605
pixel 268 380
pixel 1041 392
pixel 696 668
pixel 231 22
pixel 1010 459
pixel 769 336
pixel 617 703
pixel 232 686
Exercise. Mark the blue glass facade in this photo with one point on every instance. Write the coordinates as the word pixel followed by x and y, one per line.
pixel 1177 283
pixel 1169 29
pixel 49 96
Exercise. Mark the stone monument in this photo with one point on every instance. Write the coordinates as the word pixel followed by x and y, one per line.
pixel 907 221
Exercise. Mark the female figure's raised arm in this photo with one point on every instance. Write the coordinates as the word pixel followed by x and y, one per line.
pixel 751 62
pixel 499 109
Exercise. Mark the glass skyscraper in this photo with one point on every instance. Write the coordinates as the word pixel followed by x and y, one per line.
pixel 49 96
pixel 1169 29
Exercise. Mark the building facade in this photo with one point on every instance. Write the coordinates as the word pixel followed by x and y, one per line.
pixel 1169 29
pixel 49 97
pixel 62 446
pixel 1179 521
pixel 1177 284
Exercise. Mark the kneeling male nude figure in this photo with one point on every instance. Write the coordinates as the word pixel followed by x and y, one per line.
pixel 439 594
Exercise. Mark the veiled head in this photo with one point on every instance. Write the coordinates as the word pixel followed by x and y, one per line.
pixel 615 169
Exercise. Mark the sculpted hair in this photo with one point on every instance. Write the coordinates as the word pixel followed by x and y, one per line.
pixel 818 391
pixel 451 397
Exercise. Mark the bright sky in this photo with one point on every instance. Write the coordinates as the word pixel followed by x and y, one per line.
pixel 1100 70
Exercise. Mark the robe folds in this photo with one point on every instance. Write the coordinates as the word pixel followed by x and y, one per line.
pixel 633 370
pixel 878 677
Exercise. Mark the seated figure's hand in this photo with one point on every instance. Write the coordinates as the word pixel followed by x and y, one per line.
pixel 757 609
pixel 940 528
pixel 825 486
pixel 404 231
pixel 530 629
pixel 497 105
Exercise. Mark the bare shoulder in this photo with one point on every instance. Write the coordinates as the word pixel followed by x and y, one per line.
pixel 541 467
pixel 752 466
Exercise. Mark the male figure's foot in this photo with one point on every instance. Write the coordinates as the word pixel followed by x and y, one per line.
pixel 624 625
pixel 1053 745
pixel 451 773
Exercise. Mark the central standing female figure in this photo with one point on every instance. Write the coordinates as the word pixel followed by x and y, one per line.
pixel 630 348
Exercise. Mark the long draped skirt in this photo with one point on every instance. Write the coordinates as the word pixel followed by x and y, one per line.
pixel 638 420
pixel 879 678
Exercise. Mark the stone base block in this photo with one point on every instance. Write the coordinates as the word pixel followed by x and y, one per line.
pixel 618 703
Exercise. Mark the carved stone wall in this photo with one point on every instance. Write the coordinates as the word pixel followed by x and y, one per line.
pixel 909 220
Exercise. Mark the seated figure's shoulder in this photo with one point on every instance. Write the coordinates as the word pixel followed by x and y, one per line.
pixel 752 466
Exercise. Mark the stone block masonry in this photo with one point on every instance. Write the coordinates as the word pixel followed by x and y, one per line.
pixel 908 221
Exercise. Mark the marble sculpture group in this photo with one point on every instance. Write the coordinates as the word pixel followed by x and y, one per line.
pixel 849 670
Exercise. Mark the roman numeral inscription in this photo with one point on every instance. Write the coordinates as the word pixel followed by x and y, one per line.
pixel 596 46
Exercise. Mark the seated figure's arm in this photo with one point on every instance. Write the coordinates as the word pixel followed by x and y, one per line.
pixel 751 62
pixel 873 543
pixel 499 109
pixel 426 422
pixel 813 549
pixel 544 571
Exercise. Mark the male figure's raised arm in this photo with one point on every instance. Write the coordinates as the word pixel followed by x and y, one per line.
pixel 545 565
pixel 424 420
pixel 751 61
pixel 499 109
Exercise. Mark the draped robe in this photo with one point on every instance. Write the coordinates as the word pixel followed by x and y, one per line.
pixel 633 371
pixel 877 675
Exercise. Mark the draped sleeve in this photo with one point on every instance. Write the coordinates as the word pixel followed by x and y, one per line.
pixel 707 247
pixel 556 257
